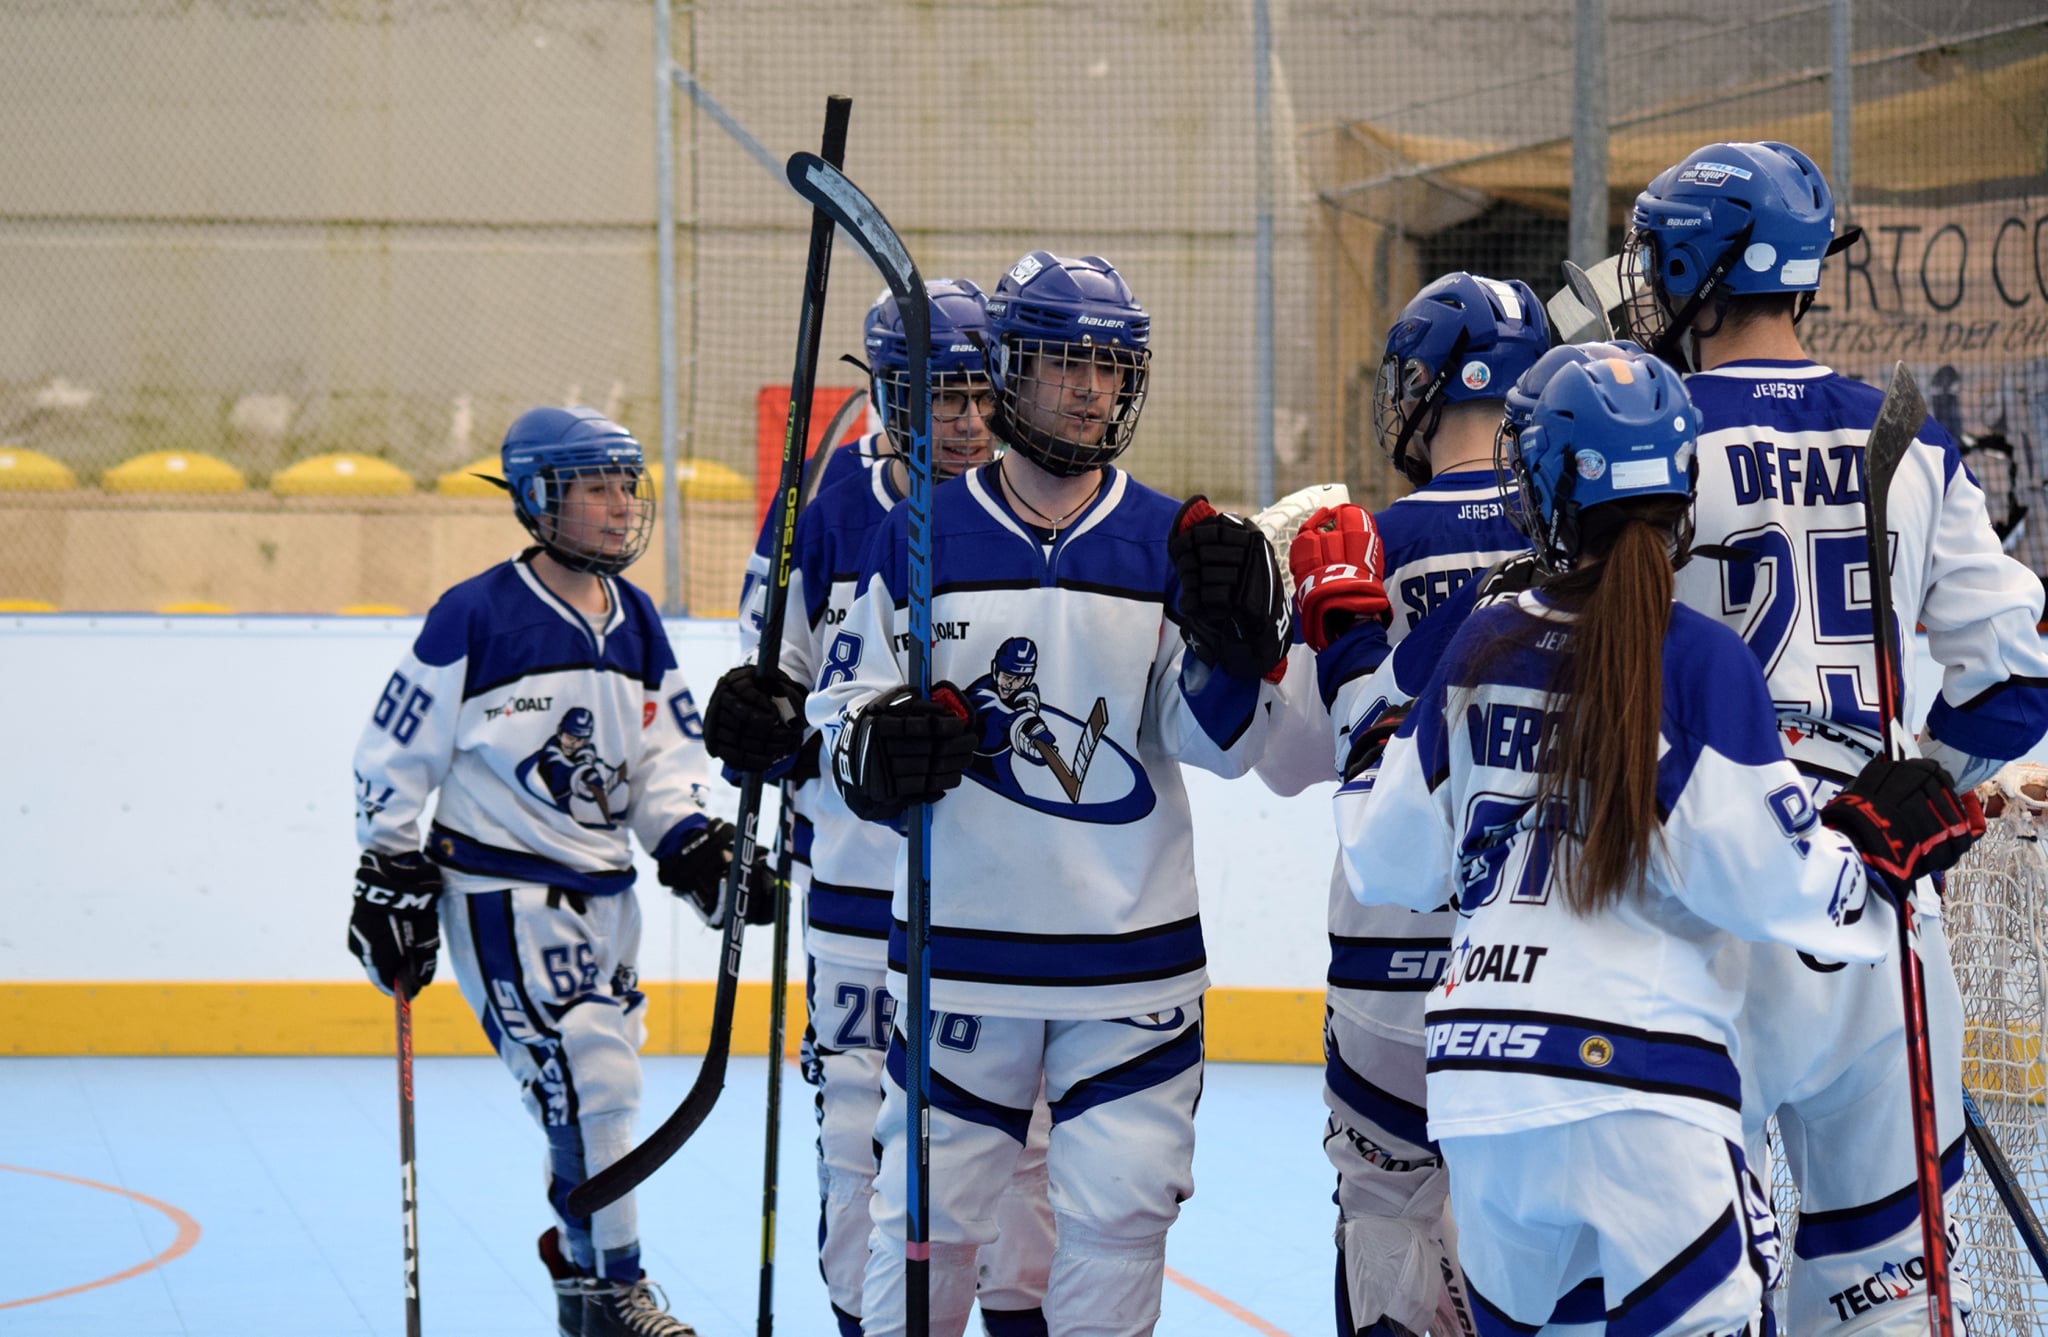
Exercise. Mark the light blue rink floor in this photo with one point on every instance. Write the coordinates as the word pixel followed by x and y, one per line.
pixel 286 1172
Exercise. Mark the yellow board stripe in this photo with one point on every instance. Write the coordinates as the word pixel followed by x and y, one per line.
pixel 179 1018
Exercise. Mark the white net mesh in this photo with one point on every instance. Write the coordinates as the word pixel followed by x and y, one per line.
pixel 1992 911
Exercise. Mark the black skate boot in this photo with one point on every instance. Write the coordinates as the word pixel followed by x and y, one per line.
pixel 569 1284
pixel 629 1309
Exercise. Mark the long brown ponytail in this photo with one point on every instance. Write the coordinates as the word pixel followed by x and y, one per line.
pixel 1608 705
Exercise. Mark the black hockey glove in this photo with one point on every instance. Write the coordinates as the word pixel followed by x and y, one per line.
pixel 1507 578
pixel 697 873
pixel 1905 819
pixel 750 725
pixel 1233 609
pixel 395 927
pixel 1371 743
pixel 901 748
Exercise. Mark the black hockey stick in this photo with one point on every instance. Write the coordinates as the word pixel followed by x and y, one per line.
pixel 1997 1169
pixel 623 1175
pixel 778 1019
pixel 1898 421
pixel 408 1176
pixel 833 194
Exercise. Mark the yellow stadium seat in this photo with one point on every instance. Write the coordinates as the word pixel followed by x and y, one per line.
pixel 173 471
pixel 342 475
pixel 193 606
pixel 26 606
pixel 707 480
pixel 25 470
pixel 464 482
pixel 372 610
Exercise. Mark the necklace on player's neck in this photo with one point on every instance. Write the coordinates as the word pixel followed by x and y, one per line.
pixel 1010 486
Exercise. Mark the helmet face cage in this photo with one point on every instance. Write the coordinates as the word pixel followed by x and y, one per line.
pixel 957 368
pixel 1408 398
pixel 593 518
pixel 961 404
pixel 1647 315
pixel 1055 407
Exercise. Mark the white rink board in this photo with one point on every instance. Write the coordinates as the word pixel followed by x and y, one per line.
pixel 178 806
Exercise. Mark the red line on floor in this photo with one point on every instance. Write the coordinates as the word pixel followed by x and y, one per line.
pixel 188 1235
pixel 1230 1307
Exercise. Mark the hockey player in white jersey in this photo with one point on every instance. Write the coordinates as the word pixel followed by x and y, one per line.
pixel 1723 256
pixel 853 862
pixel 541 708
pixel 1147 627
pixel 1594 776
pixel 1450 357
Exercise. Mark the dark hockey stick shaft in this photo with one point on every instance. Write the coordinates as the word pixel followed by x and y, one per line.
pixel 629 1171
pixel 408 1174
pixel 778 1020
pixel 833 193
pixel 1898 422
pixel 1997 1169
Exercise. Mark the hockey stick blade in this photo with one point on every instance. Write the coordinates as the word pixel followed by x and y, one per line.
pixel 1991 1157
pixel 1898 422
pixel 1582 288
pixel 833 195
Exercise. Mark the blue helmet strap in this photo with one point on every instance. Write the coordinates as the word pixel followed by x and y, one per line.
pixel 1431 404
pixel 1669 345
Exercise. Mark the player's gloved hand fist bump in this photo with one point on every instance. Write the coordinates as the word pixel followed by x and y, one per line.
pixel 1905 819
pixel 900 748
pixel 699 871
pixel 1339 573
pixel 1232 608
pixel 395 926
pixel 749 724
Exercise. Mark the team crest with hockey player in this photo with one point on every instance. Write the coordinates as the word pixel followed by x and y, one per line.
pixel 1047 758
pixel 568 775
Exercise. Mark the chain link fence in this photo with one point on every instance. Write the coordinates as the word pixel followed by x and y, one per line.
pixel 274 274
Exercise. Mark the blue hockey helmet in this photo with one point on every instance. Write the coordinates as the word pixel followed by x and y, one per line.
pixel 1047 318
pixel 957 373
pixel 1019 654
pixel 578 723
pixel 1521 397
pixel 1727 219
pixel 1461 338
pixel 1602 430
pixel 547 453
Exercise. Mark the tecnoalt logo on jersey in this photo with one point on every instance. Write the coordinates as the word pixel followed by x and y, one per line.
pixel 519 705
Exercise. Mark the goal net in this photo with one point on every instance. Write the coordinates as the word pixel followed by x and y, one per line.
pixel 1992 911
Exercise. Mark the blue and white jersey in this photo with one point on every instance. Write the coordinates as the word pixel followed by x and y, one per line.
pixel 1441 537
pixel 1438 541
pixel 548 738
pixel 839 463
pixel 1544 1016
pixel 853 863
pixel 1063 878
pixel 1781 476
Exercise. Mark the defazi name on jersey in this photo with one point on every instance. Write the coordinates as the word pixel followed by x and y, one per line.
pixel 520 705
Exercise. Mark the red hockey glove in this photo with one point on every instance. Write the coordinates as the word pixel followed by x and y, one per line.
pixel 1232 608
pixel 1339 573
pixel 1905 819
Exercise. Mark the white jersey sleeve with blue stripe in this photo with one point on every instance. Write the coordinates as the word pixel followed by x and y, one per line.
pixel 1544 1016
pixel 547 737
pixel 1063 866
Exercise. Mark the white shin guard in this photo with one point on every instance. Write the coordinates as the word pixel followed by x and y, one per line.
pixel 1393 1268
pixel 952 1288
pixel 1104 1287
